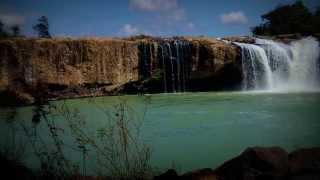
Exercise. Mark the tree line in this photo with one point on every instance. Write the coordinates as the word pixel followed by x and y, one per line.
pixel 289 19
pixel 41 29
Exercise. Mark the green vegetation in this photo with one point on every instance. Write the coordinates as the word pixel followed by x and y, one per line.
pixel 3 33
pixel 289 19
pixel 42 28
pixel 120 152
pixel 15 31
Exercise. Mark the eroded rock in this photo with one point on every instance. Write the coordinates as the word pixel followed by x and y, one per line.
pixel 71 68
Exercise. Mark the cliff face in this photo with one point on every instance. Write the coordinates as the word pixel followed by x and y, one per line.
pixel 216 65
pixel 65 68
pixel 188 64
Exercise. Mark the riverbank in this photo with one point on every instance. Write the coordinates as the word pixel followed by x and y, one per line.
pixel 214 126
pixel 260 163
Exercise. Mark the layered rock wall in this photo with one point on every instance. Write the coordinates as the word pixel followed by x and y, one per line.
pixel 66 68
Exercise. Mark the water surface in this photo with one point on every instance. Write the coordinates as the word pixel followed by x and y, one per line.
pixel 197 130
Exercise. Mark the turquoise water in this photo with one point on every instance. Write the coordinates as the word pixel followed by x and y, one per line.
pixel 197 130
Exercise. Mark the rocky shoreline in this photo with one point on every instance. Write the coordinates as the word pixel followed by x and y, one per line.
pixel 255 163
pixel 260 163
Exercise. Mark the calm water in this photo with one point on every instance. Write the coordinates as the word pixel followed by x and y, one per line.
pixel 195 130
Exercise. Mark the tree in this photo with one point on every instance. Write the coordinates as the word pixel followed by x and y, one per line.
pixel 1 26
pixel 317 13
pixel 316 20
pixel 15 31
pixel 287 19
pixel 3 33
pixel 42 28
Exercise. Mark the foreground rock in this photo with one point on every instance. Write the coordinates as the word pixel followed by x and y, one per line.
pixel 305 164
pixel 256 163
pixel 202 174
pixel 12 169
pixel 260 163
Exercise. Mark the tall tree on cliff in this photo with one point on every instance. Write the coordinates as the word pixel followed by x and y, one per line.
pixel 15 31
pixel 316 20
pixel 287 19
pixel 3 33
pixel 42 28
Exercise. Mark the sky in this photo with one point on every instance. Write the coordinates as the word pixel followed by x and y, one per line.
pixel 83 18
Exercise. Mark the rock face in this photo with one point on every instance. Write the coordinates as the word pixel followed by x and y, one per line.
pixel 66 68
pixel 216 65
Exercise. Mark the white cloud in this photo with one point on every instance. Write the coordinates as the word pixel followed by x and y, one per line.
pixel 129 30
pixel 177 15
pixel 237 17
pixel 190 25
pixel 168 10
pixel 164 15
pixel 153 5
pixel 12 19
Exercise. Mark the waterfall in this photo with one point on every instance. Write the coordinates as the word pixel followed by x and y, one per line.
pixel 256 70
pixel 279 58
pixel 174 62
pixel 304 68
pixel 164 74
pixel 275 66
pixel 172 57
pixel 177 44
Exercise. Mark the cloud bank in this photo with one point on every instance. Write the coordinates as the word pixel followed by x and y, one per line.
pixel 164 17
pixel 153 5
pixel 237 17
pixel 12 19
pixel 129 30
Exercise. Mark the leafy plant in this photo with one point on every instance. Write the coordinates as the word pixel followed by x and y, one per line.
pixel 42 28
pixel 288 19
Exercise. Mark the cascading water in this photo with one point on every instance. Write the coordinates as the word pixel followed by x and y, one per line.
pixel 279 58
pixel 176 58
pixel 256 70
pixel 173 57
pixel 274 66
pixel 304 69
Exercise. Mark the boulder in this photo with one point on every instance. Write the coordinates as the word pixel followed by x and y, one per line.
pixel 13 169
pixel 13 97
pixel 255 163
pixel 305 164
pixel 260 163
pixel 169 174
pixel 202 174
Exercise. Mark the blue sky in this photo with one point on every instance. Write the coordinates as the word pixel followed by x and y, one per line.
pixel 128 17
